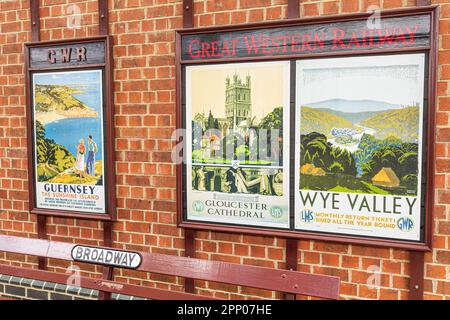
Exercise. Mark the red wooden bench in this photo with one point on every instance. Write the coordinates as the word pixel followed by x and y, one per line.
pixel 291 282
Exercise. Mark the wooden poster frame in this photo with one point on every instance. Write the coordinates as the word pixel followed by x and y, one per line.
pixel 108 124
pixel 431 53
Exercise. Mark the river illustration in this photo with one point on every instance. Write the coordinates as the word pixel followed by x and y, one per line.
pixel 356 137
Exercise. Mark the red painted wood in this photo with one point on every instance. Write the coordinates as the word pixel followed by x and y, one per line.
pixel 103 18
pixel 107 271
pixel 416 275
pixel 99 284
pixel 250 276
pixel 420 3
pixel 188 13
pixel 35 36
pixel 36 247
pixel 307 236
pixel 35 20
pixel 310 20
pixel 42 234
pixel 189 234
pixel 189 251
pixel 293 9
pixel 291 259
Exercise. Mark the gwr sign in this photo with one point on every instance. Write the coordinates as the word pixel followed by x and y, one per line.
pixel 67 55
pixel 109 257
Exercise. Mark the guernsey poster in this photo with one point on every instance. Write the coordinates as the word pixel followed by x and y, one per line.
pixel 359 146
pixel 68 140
pixel 237 160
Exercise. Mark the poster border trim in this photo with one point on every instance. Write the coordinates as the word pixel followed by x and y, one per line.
pixel 432 52
pixel 108 127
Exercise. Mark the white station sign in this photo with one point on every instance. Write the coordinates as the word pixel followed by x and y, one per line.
pixel 109 257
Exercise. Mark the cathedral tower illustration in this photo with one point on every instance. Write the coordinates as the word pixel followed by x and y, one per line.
pixel 238 106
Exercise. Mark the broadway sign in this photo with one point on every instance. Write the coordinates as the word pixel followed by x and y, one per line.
pixel 109 257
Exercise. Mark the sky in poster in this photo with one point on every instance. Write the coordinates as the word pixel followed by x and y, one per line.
pixel 68 131
pixel 208 87
pixel 389 79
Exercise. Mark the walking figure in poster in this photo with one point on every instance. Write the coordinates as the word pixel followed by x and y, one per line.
pixel 92 150
pixel 81 151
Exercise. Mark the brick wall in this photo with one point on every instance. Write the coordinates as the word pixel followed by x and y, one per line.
pixel 144 87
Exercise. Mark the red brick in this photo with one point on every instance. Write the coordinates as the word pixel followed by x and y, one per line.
pixel 145 114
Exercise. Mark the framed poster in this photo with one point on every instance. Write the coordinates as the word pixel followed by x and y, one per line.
pixel 359 147
pixel 237 165
pixel 68 140
pixel 69 109
pixel 357 130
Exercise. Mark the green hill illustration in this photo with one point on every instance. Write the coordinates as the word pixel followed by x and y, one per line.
pixel 315 120
pixel 56 164
pixel 381 167
pixel 353 117
pixel 52 158
pixel 350 106
pixel 69 176
pixel 400 123
pixel 55 102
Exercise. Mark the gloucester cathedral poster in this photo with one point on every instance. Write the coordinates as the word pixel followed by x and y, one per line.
pixel 237 166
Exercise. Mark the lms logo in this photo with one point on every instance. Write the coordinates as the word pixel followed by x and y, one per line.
pixel 405 224
pixel 307 216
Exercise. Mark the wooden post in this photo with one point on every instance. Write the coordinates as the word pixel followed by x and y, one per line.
pixel 189 251
pixel 293 9
pixel 35 37
pixel 416 265
pixel 292 244
pixel 35 21
pixel 42 234
pixel 103 19
pixel 416 258
pixel 189 234
pixel 107 271
pixel 188 13
pixel 291 260
pixel 422 3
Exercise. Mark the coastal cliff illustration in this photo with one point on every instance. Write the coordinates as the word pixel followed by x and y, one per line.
pixel 63 117
pixel 56 102
pixel 52 158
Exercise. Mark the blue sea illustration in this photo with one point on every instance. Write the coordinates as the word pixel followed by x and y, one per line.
pixel 69 131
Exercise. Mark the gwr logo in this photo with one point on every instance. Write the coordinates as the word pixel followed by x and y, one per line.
pixel 405 224
pixel 66 55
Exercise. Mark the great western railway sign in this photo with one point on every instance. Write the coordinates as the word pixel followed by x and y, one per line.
pixel 318 128
pixel 109 257
pixel 387 33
